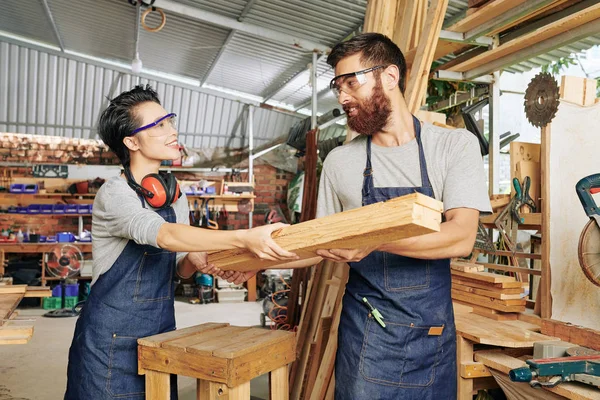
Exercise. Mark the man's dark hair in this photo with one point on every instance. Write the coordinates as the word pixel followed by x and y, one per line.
pixel 375 49
pixel 118 120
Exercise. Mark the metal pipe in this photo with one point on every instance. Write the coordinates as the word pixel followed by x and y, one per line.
pixel 250 128
pixel 53 24
pixel 313 71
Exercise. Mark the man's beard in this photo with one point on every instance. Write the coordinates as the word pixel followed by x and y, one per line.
pixel 372 114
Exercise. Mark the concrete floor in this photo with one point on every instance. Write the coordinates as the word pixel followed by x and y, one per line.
pixel 37 370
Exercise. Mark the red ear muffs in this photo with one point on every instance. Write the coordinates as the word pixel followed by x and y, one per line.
pixel 155 184
pixel 160 190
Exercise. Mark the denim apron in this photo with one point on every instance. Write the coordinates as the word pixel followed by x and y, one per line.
pixel 414 356
pixel 133 299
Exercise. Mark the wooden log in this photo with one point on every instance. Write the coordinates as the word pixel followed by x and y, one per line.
pixel 385 222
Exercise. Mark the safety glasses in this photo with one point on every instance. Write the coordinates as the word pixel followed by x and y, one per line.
pixel 349 83
pixel 160 127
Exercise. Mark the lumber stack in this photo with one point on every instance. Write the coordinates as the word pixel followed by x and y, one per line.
pixel 385 222
pixel 14 330
pixel 311 375
pixel 491 295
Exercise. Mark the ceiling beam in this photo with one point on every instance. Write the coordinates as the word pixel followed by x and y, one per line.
pixel 246 10
pixel 217 57
pixel 553 43
pixel 561 31
pixel 230 23
pixel 306 103
pixel 53 24
pixel 299 68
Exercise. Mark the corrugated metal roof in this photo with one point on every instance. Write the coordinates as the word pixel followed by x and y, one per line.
pixel 251 64
pixel 324 21
pixel 50 95
pixel 26 18
pixel 228 8
pixel 102 29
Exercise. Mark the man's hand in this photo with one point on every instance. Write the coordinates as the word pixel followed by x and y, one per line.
pixel 346 255
pixel 200 262
pixel 237 277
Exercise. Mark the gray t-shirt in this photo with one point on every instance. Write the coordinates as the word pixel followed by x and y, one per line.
pixel 118 217
pixel 454 165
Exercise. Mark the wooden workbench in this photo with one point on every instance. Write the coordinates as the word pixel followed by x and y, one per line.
pixel 510 338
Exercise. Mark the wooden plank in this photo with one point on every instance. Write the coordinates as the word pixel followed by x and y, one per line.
pixel 473 369
pixel 208 342
pixel 464 354
pixel 13 289
pixel 178 362
pixel 157 340
pixel 417 83
pixel 530 317
pixel 546 32
pixel 572 333
pixel 8 303
pixel 17 328
pixel 504 363
pixel 404 30
pixel 484 14
pixel 589 94
pixel 489 302
pixel 279 384
pixel 516 254
pixel 158 385
pixel 532 221
pixel 483 330
pixel 578 90
pixel 466 267
pixel 385 222
pixel 525 325
pixel 262 361
pixel 38 291
pixel 251 340
pixel 511 288
pixel 550 9
pixel 495 314
pixel 488 293
pixel 509 268
pixel 487 277
pixel 545 298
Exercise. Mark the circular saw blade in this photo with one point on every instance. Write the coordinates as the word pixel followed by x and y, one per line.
pixel 541 99
pixel 589 251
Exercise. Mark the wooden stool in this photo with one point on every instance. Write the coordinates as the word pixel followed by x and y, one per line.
pixel 222 358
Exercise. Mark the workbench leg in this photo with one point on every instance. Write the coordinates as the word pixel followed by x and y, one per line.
pixel 207 390
pixel 464 353
pixel 158 385
pixel 279 383
pixel 252 289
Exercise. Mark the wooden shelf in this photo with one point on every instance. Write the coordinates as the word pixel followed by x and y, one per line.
pixel 533 221
pixel 52 278
pixel 40 247
pixel 47 194
pixel 51 215
pixel 223 196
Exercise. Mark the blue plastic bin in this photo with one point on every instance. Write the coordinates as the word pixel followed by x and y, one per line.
pixel 17 188
pixel 71 209
pixel 46 209
pixel 30 188
pixel 34 208
pixel 58 209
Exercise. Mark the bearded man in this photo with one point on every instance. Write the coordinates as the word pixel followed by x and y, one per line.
pixel 397 337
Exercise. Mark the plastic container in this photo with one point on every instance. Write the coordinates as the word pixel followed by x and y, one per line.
pixel 51 239
pixel 71 290
pixel 231 295
pixel 34 208
pixel 17 188
pixel 83 209
pixel 21 210
pixel 46 209
pixel 71 209
pixel 58 209
pixel 53 303
pixel 65 237
pixel 12 209
pixel 30 188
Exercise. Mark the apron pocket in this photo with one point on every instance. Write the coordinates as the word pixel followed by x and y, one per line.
pixel 399 354
pixel 403 273
pixel 154 284
pixel 123 379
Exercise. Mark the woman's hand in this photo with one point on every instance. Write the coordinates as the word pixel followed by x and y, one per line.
pixel 259 241
pixel 200 261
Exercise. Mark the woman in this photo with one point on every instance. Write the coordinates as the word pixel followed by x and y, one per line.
pixel 141 234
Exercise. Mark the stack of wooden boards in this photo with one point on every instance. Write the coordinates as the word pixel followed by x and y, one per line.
pixel 491 295
pixel 399 218
pixel 311 376
pixel 14 330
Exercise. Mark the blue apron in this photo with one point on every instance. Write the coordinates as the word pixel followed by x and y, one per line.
pixel 133 299
pixel 414 356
